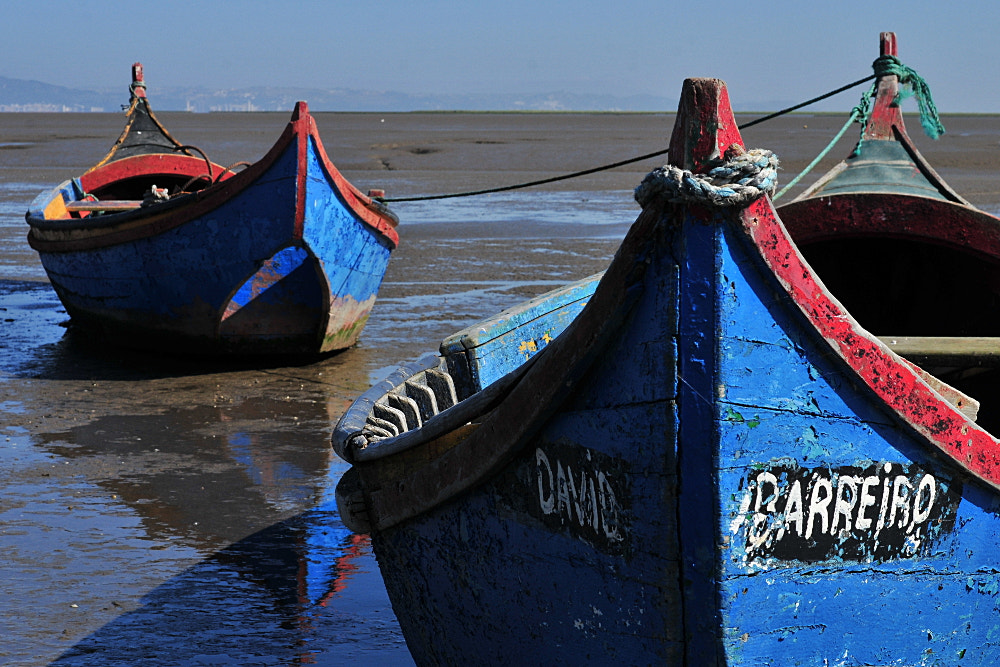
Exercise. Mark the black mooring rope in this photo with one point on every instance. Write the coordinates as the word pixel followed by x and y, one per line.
pixel 577 174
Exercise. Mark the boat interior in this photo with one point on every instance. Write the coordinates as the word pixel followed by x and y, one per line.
pixel 116 187
pixel 937 306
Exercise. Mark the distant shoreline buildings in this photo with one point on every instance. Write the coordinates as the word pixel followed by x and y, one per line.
pixel 18 95
pixel 40 107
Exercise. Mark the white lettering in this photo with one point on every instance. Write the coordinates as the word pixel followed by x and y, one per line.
pixel 574 498
pixel 610 512
pixel 772 497
pixel 760 528
pixel 883 506
pixel 546 500
pixel 900 501
pixel 866 512
pixel 923 501
pixel 595 506
pixel 847 498
pixel 866 500
pixel 562 493
pixel 587 500
pixel 793 508
pixel 819 506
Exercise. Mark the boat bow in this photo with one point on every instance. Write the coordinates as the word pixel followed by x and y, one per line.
pixel 713 464
pixel 909 257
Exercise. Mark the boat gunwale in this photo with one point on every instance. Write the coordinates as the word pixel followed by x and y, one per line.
pixel 902 389
pixel 901 386
pixel 118 228
pixel 807 227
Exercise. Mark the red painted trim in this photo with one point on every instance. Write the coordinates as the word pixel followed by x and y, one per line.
pixel 360 204
pixel 887 216
pixel 304 125
pixel 126 227
pixel 146 165
pixel 893 380
pixel 888 376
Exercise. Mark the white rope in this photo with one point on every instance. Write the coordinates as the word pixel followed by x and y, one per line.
pixel 743 177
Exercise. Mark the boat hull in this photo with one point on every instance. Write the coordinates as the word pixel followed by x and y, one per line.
pixel 714 464
pixel 544 562
pixel 284 257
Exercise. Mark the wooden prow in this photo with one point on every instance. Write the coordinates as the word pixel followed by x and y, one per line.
pixel 138 86
pixel 705 126
pixel 886 115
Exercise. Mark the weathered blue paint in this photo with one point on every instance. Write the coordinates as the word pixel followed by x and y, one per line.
pixel 469 361
pixel 282 257
pixel 266 280
pixel 712 465
pixel 485 352
pixel 551 557
pixel 862 593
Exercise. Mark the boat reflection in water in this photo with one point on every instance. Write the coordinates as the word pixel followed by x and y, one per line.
pixel 229 524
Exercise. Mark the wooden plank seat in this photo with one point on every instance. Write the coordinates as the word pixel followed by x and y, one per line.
pixel 106 205
pixel 946 350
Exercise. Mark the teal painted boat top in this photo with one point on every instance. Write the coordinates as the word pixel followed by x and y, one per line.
pixel 879 166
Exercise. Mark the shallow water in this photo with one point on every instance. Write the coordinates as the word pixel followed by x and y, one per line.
pixel 179 511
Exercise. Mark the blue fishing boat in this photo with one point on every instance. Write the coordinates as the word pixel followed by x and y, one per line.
pixel 714 463
pixel 159 247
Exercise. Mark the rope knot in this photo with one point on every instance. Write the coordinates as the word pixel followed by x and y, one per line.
pixel 929 120
pixel 737 180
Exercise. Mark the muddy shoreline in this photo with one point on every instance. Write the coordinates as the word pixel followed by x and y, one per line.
pixel 178 508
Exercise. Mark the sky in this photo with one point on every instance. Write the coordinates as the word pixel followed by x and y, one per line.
pixel 767 52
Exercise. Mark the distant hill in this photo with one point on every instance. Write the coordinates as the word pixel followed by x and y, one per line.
pixel 22 95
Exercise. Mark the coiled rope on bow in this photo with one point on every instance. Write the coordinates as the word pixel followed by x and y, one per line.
pixel 738 180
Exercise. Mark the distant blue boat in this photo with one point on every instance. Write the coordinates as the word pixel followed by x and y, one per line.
pixel 160 248
pixel 714 464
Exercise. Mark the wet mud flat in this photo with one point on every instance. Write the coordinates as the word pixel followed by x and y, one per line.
pixel 179 511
